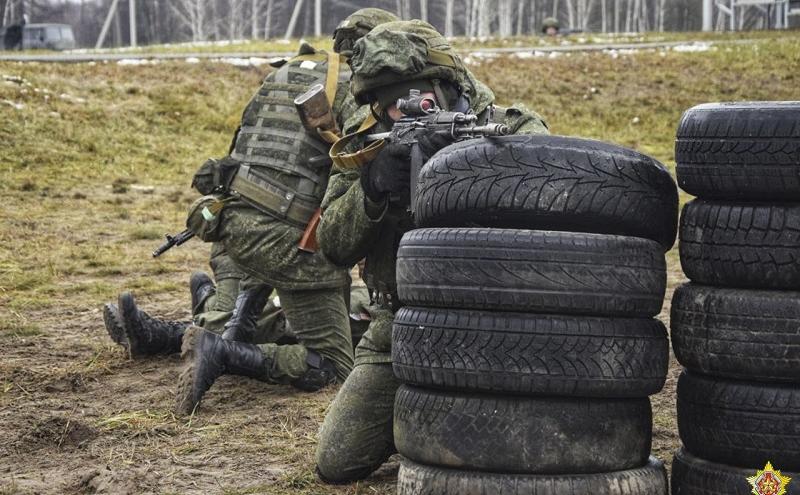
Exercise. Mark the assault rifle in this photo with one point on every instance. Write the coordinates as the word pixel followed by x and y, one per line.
pixel 172 241
pixel 422 117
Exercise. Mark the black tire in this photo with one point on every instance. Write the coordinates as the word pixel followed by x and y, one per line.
pixel 743 424
pixel 548 183
pixel 522 353
pixel 742 151
pixel 737 333
pixel 532 271
pixel 521 435
pixel 419 479
pixel 747 245
pixel 695 476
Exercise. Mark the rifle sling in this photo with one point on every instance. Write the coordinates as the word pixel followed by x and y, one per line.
pixel 357 159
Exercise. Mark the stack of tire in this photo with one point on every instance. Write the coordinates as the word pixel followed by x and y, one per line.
pixel 736 326
pixel 528 356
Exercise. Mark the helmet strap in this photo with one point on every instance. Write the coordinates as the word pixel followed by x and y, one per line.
pixel 441 97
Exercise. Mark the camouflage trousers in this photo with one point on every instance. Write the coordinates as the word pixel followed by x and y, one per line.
pixel 217 308
pixel 320 322
pixel 356 435
pixel 215 311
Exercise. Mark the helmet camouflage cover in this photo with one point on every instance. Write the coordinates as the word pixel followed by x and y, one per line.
pixel 402 51
pixel 356 25
pixel 550 22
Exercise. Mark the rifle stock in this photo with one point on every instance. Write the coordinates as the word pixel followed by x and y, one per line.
pixel 308 242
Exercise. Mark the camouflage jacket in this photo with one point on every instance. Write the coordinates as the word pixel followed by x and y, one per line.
pixel 265 246
pixel 353 227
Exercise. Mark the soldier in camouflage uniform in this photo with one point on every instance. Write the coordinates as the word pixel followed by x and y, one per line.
pixel 550 26
pixel 365 216
pixel 280 176
pixel 212 305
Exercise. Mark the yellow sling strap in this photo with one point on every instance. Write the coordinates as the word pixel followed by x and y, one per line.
pixel 355 160
pixel 332 78
pixel 331 84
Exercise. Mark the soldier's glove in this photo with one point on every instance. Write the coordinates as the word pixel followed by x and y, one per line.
pixel 429 144
pixel 388 174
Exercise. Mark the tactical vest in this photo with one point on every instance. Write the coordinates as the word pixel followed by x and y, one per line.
pixel 283 169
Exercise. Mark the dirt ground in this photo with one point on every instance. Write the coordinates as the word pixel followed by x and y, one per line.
pixel 78 416
pixel 94 169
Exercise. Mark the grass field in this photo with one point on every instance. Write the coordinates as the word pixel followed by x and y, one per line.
pixel 276 45
pixel 95 167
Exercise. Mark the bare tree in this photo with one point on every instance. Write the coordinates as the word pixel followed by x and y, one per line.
pixel 180 20
pixel 215 20
pixel 193 14
pixel 235 19
pixel 484 17
pixel 584 12
pixel 448 18
pixel 474 11
pixel 403 8
pixel 570 13
pixel 533 26
pixel 628 15
pixel 505 17
pixel 254 6
pixel 268 20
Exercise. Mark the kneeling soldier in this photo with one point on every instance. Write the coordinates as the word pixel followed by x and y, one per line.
pixel 366 214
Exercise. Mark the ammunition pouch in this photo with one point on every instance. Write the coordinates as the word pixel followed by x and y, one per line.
pixel 273 198
pixel 215 175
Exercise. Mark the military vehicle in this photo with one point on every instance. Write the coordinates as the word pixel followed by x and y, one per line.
pixel 37 36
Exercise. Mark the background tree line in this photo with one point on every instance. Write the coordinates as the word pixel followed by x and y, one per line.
pixel 167 21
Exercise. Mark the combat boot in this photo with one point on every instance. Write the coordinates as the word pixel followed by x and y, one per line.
pixel 113 323
pixel 320 373
pixel 241 327
pixel 206 357
pixel 202 287
pixel 146 335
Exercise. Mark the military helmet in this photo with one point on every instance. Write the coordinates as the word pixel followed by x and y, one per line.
pixel 550 22
pixel 357 25
pixel 395 53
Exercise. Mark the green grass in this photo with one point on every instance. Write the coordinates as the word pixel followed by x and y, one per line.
pixel 91 181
